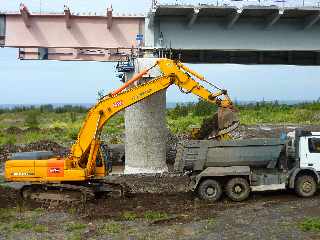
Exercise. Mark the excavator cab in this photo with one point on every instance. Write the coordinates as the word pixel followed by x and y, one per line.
pixel 103 162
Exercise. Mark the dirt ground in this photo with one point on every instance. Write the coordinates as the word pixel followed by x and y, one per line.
pixel 273 215
pixel 160 208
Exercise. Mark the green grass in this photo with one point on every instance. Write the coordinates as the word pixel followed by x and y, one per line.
pixel 183 124
pixel 74 226
pixel 75 236
pixel 310 224
pixel 7 139
pixel 72 210
pixel 278 115
pixel 251 115
pixel 63 127
pixel 111 228
pixel 22 225
pixel 6 214
pixel 57 127
pixel 39 228
pixel 211 221
pixel 12 220
pixel 129 216
pixel 155 216
pixel 2 179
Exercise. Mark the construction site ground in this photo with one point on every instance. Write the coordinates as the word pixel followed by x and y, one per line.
pixel 276 215
pixel 159 207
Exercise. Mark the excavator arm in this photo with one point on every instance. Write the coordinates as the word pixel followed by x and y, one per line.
pixel 85 149
pixel 182 76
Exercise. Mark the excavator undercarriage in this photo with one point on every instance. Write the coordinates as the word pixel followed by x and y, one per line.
pixel 71 193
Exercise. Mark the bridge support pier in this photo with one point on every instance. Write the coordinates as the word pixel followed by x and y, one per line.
pixel 146 132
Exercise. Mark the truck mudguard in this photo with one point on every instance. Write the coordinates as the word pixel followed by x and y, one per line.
pixel 295 173
pixel 219 172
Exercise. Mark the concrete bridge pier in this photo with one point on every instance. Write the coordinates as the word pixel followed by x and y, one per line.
pixel 146 132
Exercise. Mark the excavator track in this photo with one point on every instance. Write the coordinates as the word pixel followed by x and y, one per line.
pixel 56 194
pixel 68 194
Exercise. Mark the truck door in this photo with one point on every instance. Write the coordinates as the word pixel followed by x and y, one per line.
pixel 311 153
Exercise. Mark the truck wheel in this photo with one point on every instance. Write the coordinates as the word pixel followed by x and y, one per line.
pixel 238 189
pixel 305 186
pixel 210 190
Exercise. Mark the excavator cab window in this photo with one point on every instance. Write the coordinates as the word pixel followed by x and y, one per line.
pixel 99 162
pixel 107 157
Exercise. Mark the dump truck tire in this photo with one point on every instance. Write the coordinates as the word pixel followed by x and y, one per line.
pixel 210 190
pixel 238 189
pixel 305 186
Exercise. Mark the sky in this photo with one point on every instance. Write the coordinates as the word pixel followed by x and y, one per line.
pixel 39 82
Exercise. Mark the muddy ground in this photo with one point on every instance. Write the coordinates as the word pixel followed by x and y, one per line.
pixel 160 208
pixel 276 215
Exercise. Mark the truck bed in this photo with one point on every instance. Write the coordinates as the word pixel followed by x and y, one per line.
pixel 197 155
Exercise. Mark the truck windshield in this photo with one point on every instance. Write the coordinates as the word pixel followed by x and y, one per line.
pixel 314 145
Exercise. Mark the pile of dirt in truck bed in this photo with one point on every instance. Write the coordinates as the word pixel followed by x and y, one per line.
pixel 56 148
pixel 209 126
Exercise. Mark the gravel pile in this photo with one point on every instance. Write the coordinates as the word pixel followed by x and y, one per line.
pixel 153 183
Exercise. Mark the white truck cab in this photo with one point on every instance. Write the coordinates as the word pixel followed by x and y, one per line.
pixel 309 151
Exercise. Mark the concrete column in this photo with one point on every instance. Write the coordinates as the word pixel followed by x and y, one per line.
pixel 146 131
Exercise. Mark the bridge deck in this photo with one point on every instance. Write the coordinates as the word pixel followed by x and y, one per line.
pixel 201 34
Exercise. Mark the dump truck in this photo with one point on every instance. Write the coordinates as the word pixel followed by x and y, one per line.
pixel 238 167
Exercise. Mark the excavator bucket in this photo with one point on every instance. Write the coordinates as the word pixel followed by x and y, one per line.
pixel 227 117
pixel 224 121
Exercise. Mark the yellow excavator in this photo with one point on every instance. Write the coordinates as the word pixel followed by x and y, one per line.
pixel 82 173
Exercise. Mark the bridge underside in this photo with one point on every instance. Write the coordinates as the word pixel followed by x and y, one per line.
pixel 247 57
pixel 250 35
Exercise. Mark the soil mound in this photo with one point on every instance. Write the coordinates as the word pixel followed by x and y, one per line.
pixel 56 148
pixel 32 129
pixel 14 130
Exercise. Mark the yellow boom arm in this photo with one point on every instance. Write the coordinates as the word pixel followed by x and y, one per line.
pixel 84 151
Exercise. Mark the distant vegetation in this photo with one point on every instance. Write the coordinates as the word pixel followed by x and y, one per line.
pixel 45 108
pixel 61 124
pixel 185 115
